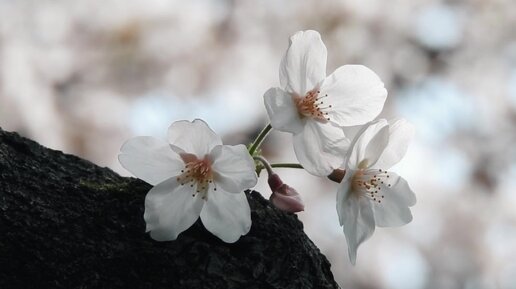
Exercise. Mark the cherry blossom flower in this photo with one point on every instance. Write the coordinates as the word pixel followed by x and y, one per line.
pixel 369 195
pixel 312 106
pixel 193 175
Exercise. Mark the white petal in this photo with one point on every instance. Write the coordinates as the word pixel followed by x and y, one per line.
pixel 304 65
pixel 233 168
pixel 355 93
pixel 282 111
pixel 170 209
pixel 400 135
pixel 150 159
pixel 369 144
pixel 352 132
pixel 342 194
pixel 320 148
pixel 394 207
pixel 358 223
pixel 226 215
pixel 193 137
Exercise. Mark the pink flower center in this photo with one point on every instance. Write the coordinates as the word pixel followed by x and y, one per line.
pixel 368 183
pixel 310 105
pixel 198 173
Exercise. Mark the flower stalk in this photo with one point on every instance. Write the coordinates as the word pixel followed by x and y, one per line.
pixel 259 139
pixel 287 165
pixel 265 164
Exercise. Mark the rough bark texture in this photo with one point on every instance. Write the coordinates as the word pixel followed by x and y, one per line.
pixel 67 223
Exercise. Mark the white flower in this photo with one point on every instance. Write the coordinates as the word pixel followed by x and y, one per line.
pixel 369 195
pixel 312 106
pixel 195 175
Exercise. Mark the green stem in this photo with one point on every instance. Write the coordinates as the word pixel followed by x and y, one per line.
pixel 265 164
pixel 259 139
pixel 287 165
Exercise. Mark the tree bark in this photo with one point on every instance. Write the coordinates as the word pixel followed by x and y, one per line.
pixel 67 223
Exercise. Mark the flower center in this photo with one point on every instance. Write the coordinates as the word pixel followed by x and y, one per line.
pixel 310 105
pixel 368 183
pixel 198 173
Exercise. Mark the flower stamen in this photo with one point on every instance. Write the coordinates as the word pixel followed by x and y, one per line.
pixel 198 173
pixel 310 106
pixel 367 183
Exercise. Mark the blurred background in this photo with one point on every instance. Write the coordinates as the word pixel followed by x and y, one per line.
pixel 84 76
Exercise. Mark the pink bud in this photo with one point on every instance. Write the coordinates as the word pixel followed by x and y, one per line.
pixel 284 197
pixel 274 182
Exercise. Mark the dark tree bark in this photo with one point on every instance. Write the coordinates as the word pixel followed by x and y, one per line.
pixel 67 223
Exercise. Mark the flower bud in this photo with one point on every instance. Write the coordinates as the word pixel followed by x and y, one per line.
pixel 274 182
pixel 284 197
